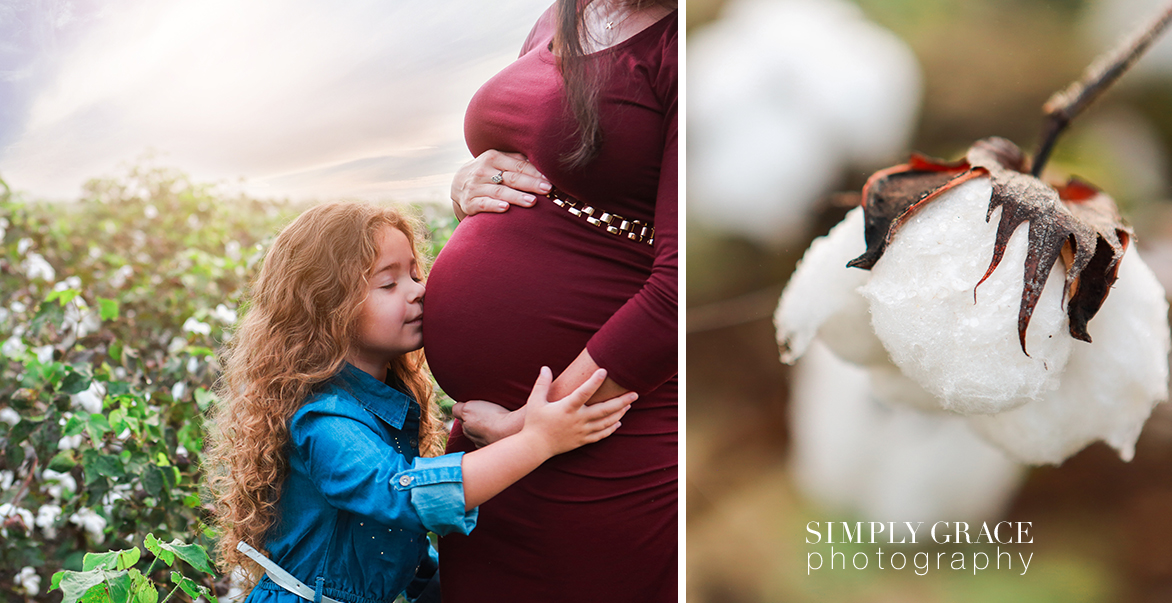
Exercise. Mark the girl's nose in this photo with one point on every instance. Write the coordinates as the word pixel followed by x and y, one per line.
pixel 419 291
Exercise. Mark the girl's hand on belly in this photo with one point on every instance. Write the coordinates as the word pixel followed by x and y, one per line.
pixel 563 425
pixel 485 422
pixel 495 180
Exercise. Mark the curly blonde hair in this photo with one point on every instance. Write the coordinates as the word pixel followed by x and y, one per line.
pixel 298 327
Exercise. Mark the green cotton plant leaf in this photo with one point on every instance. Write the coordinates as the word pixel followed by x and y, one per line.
pixel 112 560
pixel 120 587
pixel 189 586
pixel 200 351
pixel 108 308
pixel 97 426
pixel 74 426
pixel 117 388
pixel 109 465
pixel 117 420
pixel 195 555
pixel 74 382
pixel 47 313
pixel 97 594
pixel 115 352
pixel 20 432
pixel 152 480
pixel 144 590
pixel 105 560
pixel 75 585
pixel 63 296
pixel 14 454
pixel 191 436
pixel 63 461
pixel 48 375
pixel 153 545
pixel 204 399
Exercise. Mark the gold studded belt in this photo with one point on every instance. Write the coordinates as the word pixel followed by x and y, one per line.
pixel 615 224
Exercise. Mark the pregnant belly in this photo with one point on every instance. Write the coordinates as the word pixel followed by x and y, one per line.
pixel 512 292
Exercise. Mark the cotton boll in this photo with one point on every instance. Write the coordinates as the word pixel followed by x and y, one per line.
pixel 35 266
pixel 1110 385
pixel 191 325
pixel 822 299
pixel 72 442
pixel 13 347
pixel 177 344
pixel 921 298
pixel 93 524
pixel 118 279
pixel 8 511
pixel 893 388
pixel 787 94
pixel 829 408
pixel 70 282
pixel 91 399
pixel 46 520
pixel 224 314
pixel 29 581
pixel 857 454
pixel 64 482
pixel 744 185
pixel 44 354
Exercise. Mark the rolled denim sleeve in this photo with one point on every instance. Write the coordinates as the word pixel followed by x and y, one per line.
pixel 436 486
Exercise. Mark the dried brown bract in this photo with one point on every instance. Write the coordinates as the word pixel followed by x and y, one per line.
pixel 1075 221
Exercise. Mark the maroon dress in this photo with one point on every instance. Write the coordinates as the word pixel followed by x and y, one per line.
pixel 534 286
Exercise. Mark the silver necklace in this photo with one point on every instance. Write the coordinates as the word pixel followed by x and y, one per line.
pixel 610 20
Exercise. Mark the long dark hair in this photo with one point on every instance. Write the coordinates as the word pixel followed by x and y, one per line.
pixel 582 83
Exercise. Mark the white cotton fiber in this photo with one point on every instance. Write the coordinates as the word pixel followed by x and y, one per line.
pixel 1110 385
pixel 785 95
pixel 965 353
pixel 893 388
pixel 822 299
pixel 856 454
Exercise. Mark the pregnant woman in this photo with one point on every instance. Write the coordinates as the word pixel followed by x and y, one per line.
pixel 579 276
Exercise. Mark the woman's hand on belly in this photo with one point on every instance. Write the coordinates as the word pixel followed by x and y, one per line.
pixel 474 189
pixel 577 373
pixel 484 422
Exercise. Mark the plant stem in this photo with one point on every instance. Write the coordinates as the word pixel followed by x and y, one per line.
pixel 170 594
pixel 1067 103
pixel 32 470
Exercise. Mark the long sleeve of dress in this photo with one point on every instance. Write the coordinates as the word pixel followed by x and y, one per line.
pixel 638 345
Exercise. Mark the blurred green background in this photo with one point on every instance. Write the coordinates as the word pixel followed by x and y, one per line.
pixel 1102 528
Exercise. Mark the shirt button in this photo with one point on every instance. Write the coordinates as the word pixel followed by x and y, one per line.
pixel 405 480
pixel 414 442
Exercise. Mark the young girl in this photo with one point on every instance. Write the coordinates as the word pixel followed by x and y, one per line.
pixel 326 405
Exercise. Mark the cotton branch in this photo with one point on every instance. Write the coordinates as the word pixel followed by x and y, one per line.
pixel 1066 104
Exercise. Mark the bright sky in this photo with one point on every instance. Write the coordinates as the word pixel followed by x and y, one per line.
pixel 296 98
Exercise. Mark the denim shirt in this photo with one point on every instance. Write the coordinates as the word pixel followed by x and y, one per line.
pixel 358 502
